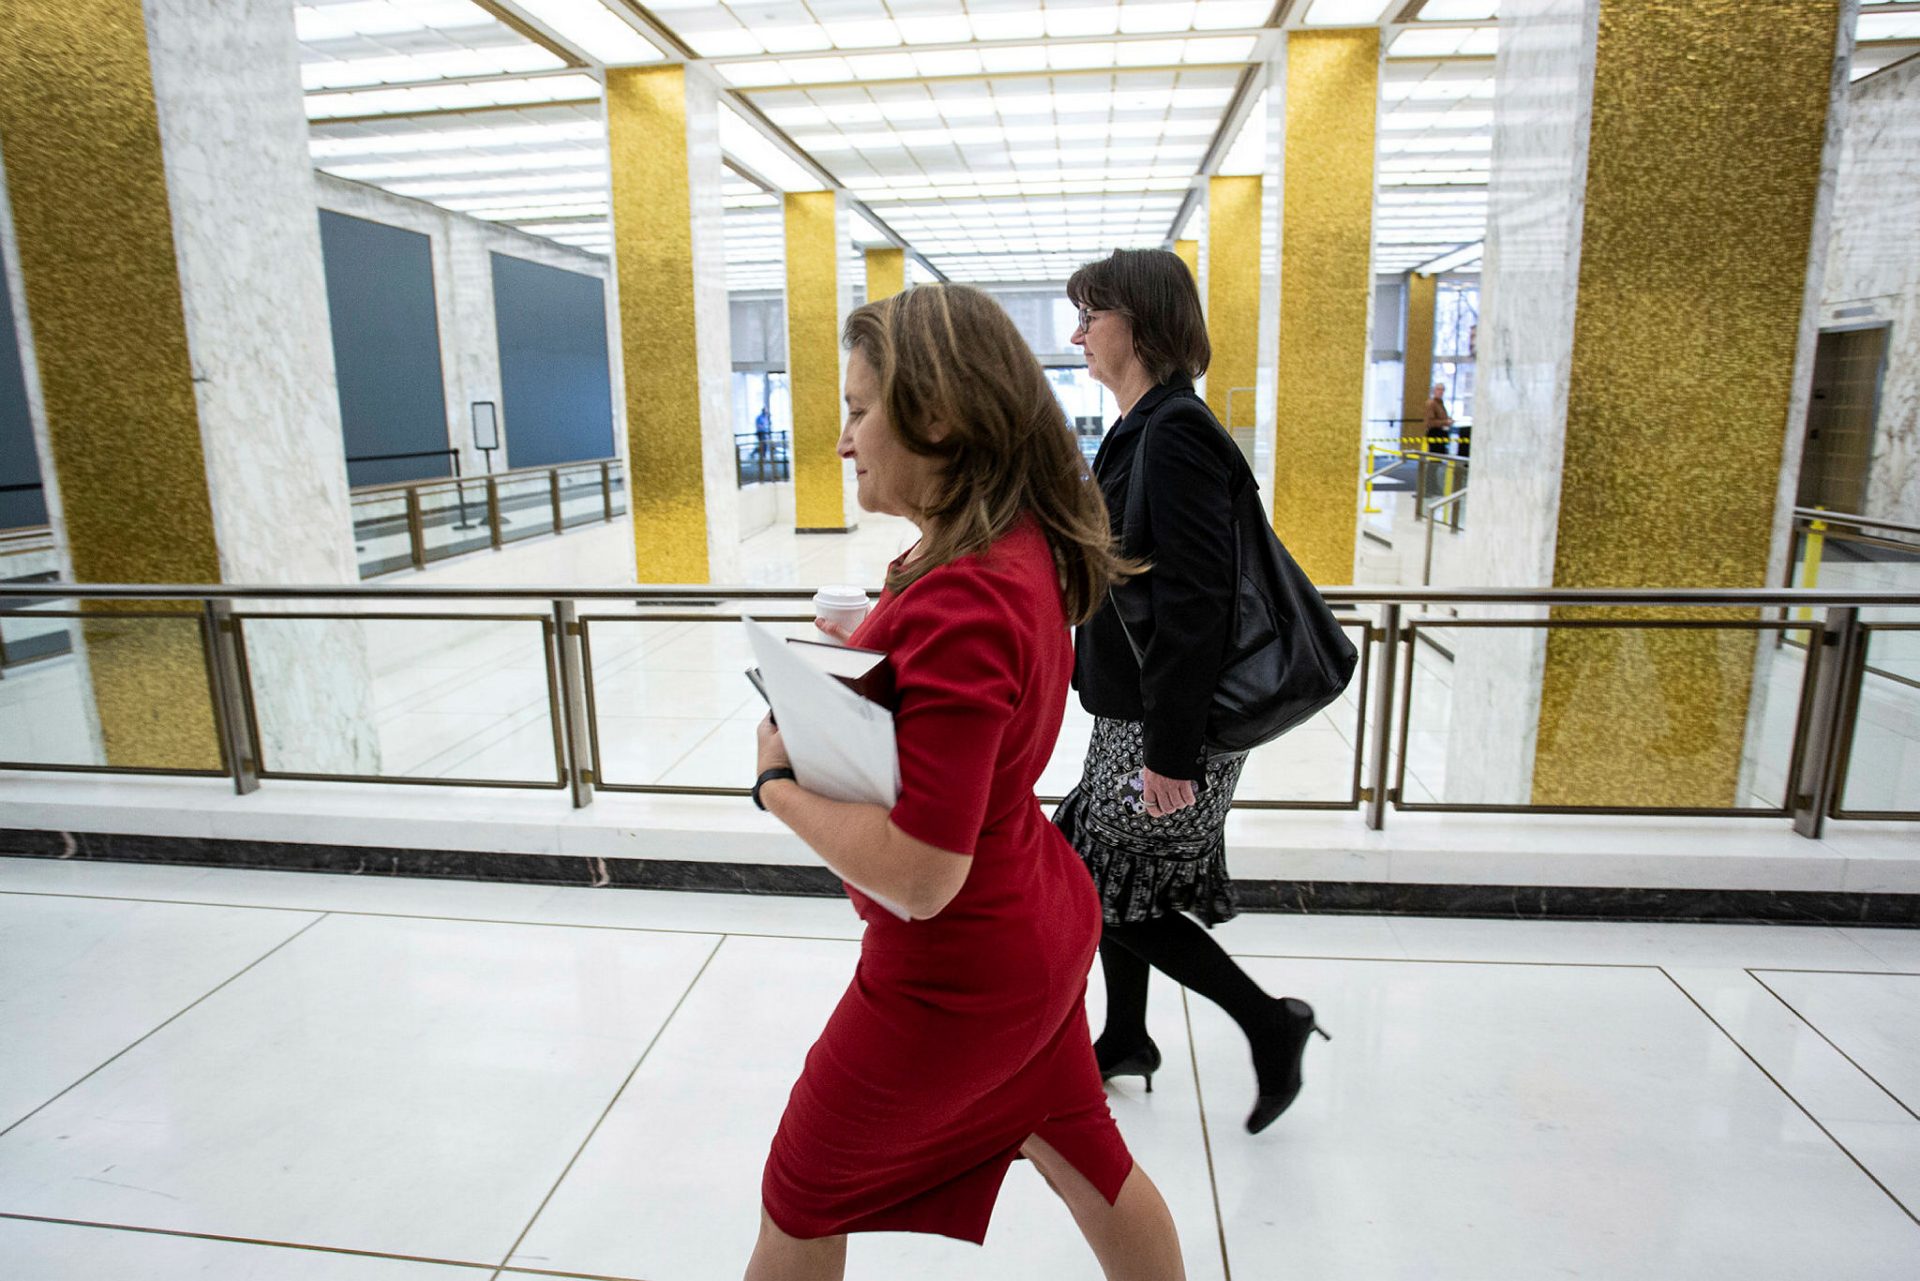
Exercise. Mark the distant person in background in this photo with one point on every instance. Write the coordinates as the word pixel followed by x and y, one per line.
pixel 763 439
pixel 1438 424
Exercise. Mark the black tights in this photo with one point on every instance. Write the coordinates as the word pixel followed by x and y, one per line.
pixel 1185 952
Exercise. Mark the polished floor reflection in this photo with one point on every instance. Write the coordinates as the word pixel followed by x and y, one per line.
pixel 240 1074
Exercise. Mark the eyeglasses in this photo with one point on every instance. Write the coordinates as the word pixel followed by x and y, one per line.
pixel 1086 318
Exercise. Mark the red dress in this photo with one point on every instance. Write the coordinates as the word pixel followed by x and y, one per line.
pixel 963 1035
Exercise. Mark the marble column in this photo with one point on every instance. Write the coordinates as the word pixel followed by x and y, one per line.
pixel 818 301
pixel 1873 272
pixel 1655 208
pixel 1332 83
pixel 170 260
pixel 1233 298
pixel 663 133
pixel 1416 353
pixel 886 272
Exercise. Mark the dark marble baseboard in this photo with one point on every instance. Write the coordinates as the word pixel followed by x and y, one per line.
pixel 1510 902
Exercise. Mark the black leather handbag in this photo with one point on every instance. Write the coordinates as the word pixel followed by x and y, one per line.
pixel 1287 657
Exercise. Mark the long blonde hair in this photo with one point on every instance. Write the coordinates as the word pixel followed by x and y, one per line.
pixel 959 384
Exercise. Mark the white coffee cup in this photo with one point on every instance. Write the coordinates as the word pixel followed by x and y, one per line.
pixel 844 607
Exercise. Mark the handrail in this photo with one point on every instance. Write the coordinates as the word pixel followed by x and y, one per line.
pixel 451 481
pixel 1852 518
pixel 707 593
pixel 1815 787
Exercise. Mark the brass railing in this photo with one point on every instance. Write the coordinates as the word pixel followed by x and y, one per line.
pixel 422 521
pixel 1382 696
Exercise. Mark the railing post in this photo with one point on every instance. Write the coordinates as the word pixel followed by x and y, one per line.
pixel 1816 772
pixel 553 488
pixel 416 536
pixel 1420 486
pixel 493 511
pixel 1382 728
pixel 573 701
pixel 229 696
pixel 606 491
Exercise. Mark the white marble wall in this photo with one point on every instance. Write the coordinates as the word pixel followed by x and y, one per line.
pixel 253 291
pixel 713 327
pixel 1542 108
pixel 1266 364
pixel 462 250
pixel 1873 270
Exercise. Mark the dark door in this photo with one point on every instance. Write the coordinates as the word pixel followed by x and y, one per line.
pixel 1840 416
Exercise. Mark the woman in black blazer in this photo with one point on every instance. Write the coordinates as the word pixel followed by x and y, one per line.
pixel 1150 811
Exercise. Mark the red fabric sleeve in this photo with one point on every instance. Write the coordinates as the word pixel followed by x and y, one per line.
pixel 956 660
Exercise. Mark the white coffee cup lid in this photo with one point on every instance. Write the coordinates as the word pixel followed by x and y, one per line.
pixel 840 596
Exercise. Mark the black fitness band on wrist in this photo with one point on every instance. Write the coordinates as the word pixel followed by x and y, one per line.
pixel 769 776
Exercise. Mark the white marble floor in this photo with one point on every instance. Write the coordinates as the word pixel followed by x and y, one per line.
pixel 275 1075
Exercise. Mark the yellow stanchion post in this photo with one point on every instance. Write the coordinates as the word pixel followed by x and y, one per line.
pixel 1810 568
pixel 1367 508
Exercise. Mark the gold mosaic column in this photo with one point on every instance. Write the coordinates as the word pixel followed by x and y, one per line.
pixel 1703 174
pixel 813 360
pixel 1326 284
pixel 1417 352
pixel 1188 251
pixel 886 273
pixel 1233 296
pixel 647 138
pixel 102 293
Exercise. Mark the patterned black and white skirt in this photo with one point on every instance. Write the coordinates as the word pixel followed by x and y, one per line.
pixel 1144 866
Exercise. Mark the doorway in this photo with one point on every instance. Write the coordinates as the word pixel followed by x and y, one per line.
pixel 1840 417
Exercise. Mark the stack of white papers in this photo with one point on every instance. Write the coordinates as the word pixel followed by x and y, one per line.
pixel 841 744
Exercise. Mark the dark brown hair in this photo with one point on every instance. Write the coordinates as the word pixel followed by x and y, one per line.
pixel 1155 292
pixel 959 384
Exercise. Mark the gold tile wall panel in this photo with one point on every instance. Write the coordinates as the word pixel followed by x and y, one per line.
pixel 886 273
pixel 1326 285
pixel 102 293
pixel 813 358
pixel 1188 252
pixel 653 261
pixel 1233 296
pixel 1417 351
pixel 1709 120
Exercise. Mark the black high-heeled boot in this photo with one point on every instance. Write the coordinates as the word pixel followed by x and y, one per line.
pixel 1142 1060
pixel 1276 1061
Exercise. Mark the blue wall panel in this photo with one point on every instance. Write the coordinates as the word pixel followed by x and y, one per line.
pixel 19 463
pixel 386 348
pixel 554 379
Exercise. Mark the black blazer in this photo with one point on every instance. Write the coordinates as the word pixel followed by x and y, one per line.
pixel 1193 472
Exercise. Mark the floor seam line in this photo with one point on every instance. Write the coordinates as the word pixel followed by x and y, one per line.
pixel 466 920
pixel 1206 1137
pixel 163 1024
pixel 1898 1101
pixel 613 1102
pixel 231 1239
pixel 1790 1096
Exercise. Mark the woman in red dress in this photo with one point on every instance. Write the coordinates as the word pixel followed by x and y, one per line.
pixel 961 1043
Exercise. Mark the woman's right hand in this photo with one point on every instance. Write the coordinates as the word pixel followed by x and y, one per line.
pixel 1164 795
pixel 841 634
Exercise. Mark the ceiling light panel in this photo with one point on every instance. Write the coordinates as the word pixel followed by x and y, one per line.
pixel 593 29
pixel 374 42
pixel 452 97
pixel 1459 10
pixel 1345 13
pixel 1888 26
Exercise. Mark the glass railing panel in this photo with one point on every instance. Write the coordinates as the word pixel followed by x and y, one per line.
pixel 526 507
pixel 1883 755
pixel 27 635
pixel 426 697
pixel 581 499
pixel 619 486
pixel 129 693
pixel 1596 714
pixel 453 519
pixel 380 540
pixel 670 702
